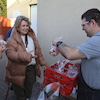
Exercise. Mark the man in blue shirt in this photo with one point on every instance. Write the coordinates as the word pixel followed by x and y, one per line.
pixel 8 33
pixel 89 53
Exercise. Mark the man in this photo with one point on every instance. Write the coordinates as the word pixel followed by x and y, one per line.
pixel 8 33
pixel 89 53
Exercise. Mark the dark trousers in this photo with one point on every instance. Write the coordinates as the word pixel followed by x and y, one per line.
pixel 85 92
pixel 23 93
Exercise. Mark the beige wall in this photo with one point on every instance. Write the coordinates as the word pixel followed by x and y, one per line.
pixel 56 18
pixel 61 18
pixel 20 5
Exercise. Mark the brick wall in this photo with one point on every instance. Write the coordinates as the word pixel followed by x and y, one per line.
pixel 5 25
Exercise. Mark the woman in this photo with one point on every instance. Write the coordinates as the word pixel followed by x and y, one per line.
pixel 24 58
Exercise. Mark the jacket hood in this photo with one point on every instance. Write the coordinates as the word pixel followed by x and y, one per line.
pixel 16 35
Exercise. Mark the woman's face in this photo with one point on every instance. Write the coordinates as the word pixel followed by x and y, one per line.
pixel 24 27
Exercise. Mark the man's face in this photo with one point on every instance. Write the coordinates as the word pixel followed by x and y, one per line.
pixel 86 26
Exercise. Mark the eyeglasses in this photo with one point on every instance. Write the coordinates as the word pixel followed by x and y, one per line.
pixel 85 23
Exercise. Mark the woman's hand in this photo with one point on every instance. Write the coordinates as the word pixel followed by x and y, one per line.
pixel 44 67
pixel 31 51
pixel 35 56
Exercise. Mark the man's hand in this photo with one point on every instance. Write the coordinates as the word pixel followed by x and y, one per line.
pixel 54 41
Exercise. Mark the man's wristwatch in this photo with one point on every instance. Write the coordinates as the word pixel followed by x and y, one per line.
pixel 58 43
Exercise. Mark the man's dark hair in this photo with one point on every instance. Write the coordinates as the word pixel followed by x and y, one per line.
pixel 92 14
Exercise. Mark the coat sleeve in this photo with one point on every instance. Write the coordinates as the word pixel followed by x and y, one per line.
pixel 17 56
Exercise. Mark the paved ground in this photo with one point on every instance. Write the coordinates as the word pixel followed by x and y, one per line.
pixel 3 85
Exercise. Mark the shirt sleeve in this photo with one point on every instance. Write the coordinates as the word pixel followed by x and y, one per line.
pixel 91 48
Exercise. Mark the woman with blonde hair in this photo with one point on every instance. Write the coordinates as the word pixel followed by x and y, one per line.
pixel 24 58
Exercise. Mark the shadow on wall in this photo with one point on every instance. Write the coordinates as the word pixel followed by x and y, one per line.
pixel 5 25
